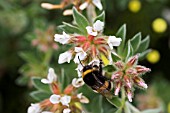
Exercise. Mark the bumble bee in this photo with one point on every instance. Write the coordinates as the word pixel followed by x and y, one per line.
pixel 93 77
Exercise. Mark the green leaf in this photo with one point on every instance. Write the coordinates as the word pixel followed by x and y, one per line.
pixel 119 110
pixel 144 45
pixel 152 111
pixel 22 80
pixel 122 34
pixel 113 110
pixel 143 54
pixel 115 57
pixel 40 95
pixel 135 41
pixel 100 17
pixel 127 108
pixel 109 68
pixel 128 52
pixel 39 85
pixel 115 101
pixel 28 56
pixel 68 28
pixel 80 20
pixel 97 102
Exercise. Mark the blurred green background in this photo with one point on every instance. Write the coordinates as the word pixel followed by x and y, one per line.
pixel 20 19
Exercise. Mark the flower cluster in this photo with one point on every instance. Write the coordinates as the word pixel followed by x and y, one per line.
pixel 79 4
pixel 87 48
pixel 44 39
pixel 128 75
pixel 63 102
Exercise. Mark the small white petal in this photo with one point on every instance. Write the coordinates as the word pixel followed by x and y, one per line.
pixel 83 6
pixel 45 81
pixel 63 39
pixel 65 57
pixel 98 4
pixel 65 100
pixel 80 53
pixel 77 82
pixel 52 77
pixel 98 26
pixel 82 98
pixel 90 31
pixel 67 110
pixel 47 6
pixel 55 98
pixel 34 108
pixel 95 62
pixel 113 41
pixel 46 112
pixel 68 12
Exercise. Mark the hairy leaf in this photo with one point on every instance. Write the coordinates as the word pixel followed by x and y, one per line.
pixel 143 45
pixel 100 17
pixel 135 41
pixel 40 95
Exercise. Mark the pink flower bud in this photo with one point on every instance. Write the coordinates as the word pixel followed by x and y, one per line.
pixel 132 60
pixel 131 71
pixel 118 86
pixel 93 51
pixel 91 38
pixel 68 89
pixel 142 69
pixel 116 75
pixel 81 38
pixel 127 81
pixel 99 41
pixel 55 88
pixel 139 81
pixel 129 94
pixel 119 64
pixel 86 46
pixel 103 50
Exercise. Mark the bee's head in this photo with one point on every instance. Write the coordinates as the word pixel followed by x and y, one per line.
pixel 87 67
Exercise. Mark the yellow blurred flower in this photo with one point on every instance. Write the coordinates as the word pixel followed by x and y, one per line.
pixel 153 57
pixel 159 25
pixel 169 107
pixel 134 6
pixel 104 59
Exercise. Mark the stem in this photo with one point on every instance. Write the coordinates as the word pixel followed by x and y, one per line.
pixel 47 57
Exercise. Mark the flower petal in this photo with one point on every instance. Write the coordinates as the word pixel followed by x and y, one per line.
pixel 90 31
pixel 113 41
pixel 98 26
pixel 83 6
pixel 77 82
pixel 63 39
pixel 65 57
pixel 67 110
pixel 98 4
pixel 80 54
pixel 65 100
pixel 34 108
pixel 55 98
pixel 52 77
pixel 45 81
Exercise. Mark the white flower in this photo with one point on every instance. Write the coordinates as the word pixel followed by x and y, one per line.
pixel 77 82
pixel 63 39
pixel 79 53
pixel 47 6
pixel 113 41
pixel 46 112
pixel 82 98
pixel 65 57
pixel 98 4
pixel 67 110
pixel 98 26
pixel 34 108
pixel 65 100
pixel 79 69
pixel 51 77
pixel 83 6
pixel 55 98
pixel 94 62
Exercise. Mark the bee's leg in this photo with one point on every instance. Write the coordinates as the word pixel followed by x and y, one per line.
pixel 100 67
